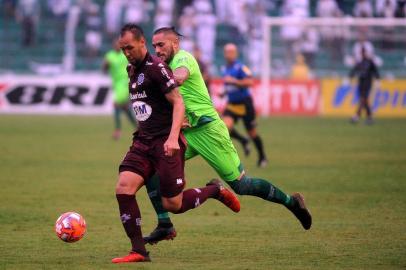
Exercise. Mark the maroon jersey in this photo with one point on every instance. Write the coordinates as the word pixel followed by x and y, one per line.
pixel 149 82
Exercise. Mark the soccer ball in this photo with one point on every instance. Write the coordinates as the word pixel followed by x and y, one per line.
pixel 70 227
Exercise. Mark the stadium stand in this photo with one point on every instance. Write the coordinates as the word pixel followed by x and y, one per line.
pixel 49 42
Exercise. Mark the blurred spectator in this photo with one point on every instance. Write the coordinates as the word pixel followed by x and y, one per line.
pixel 300 70
pixel 363 8
pixel 385 8
pixel 112 10
pixel 204 69
pixel 8 8
pixel 256 12
pixel 187 28
pixel 136 11
pixel 223 10
pixel 59 8
pixel 205 29
pixel 310 45
pixel 327 9
pixel 232 12
pixel 294 10
pixel 164 13
pixel 27 13
pixel 93 35
pixel 400 11
pixel 331 36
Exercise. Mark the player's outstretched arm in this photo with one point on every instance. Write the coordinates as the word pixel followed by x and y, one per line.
pixel 175 98
pixel 181 74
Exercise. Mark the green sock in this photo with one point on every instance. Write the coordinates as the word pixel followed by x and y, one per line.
pixel 261 188
pixel 154 194
pixel 117 120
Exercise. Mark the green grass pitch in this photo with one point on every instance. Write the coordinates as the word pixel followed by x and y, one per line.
pixel 353 178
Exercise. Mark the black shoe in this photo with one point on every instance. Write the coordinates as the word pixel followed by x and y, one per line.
pixel 262 162
pixel 159 234
pixel 300 211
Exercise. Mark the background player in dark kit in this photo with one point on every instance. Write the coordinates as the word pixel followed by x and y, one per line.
pixel 366 70
pixel 237 80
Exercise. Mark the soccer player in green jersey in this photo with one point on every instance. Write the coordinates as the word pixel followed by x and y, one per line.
pixel 115 63
pixel 208 136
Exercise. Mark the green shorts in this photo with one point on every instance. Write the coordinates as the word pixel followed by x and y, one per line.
pixel 213 143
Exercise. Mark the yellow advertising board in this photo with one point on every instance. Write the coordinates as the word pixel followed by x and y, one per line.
pixel 387 100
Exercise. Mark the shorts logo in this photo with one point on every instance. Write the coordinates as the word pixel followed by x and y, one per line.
pixel 179 181
pixel 140 79
pixel 142 110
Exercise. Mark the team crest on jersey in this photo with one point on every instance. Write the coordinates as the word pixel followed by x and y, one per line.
pixel 140 79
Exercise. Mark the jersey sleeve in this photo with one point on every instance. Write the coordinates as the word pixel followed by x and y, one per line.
pixel 163 76
pixel 184 60
pixel 245 72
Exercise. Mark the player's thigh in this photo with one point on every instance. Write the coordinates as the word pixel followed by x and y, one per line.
pixel 190 152
pixel 170 169
pixel 249 119
pixel 213 143
pixel 129 183
pixel 135 166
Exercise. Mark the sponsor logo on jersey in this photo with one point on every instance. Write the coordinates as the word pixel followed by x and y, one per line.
pixel 142 110
pixel 138 95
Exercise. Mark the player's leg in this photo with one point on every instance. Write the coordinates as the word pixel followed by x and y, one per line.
pixel 117 122
pixel 250 125
pixel 127 186
pixel 134 168
pixel 171 173
pixel 229 118
pixel 369 119
pixel 215 146
pixel 164 230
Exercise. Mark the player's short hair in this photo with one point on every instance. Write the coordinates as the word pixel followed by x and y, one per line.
pixel 134 29
pixel 167 30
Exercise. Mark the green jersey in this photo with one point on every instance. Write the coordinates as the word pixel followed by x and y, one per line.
pixel 118 73
pixel 194 91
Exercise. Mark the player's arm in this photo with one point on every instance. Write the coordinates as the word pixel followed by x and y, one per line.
pixel 244 80
pixel 181 74
pixel 178 114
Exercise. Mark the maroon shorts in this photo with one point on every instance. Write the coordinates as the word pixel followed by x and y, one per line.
pixel 147 157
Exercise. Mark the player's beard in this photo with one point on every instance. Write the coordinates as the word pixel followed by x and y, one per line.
pixel 170 56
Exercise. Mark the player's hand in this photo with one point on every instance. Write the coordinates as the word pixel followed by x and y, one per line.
pixel 229 79
pixel 185 123
pixel 171 146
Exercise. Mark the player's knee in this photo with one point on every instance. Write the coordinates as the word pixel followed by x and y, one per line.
pixel 243 186
pixel 252 133
pixel 123 187
pixel 172 205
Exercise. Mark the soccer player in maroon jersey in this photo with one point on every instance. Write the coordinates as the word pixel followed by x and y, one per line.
pixel 158 145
